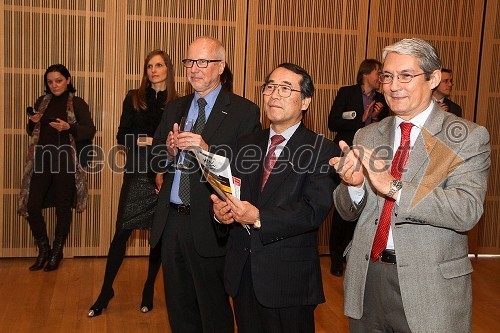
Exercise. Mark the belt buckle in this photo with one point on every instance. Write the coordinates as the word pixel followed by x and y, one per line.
pixel 183 209
pixel 386 254
pixel 180 208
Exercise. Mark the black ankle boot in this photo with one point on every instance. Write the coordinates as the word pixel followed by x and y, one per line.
pixel 101 303
pixel 43 253
pixel 56 254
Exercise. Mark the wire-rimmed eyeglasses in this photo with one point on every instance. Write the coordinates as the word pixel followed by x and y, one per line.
pixel 283 90
pixel 385 78
pixel 201 63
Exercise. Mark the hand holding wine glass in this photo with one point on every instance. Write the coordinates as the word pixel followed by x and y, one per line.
pixel 186 125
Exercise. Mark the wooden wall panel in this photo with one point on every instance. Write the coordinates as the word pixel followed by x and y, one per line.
pixel 488 106
pixel 453 27
pixel 35 35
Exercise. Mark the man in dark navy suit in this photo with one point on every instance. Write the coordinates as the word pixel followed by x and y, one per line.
pixel 192 255
pixel 272 267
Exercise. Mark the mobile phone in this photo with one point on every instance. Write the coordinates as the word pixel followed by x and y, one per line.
pixel 52 120
pixel 30 111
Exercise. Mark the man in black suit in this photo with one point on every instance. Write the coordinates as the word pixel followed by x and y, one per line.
pixel 354 107
pixel 192 255
pixel 272 270
pixel 442 93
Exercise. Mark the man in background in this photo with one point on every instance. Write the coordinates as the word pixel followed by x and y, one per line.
pixel 354 107
pixel 442 92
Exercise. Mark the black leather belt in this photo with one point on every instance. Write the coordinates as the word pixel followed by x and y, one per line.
pixel 388 256
pixel 181 209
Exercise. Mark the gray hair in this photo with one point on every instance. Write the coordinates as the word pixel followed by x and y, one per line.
pixel 418 48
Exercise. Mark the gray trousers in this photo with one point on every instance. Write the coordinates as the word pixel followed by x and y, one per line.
pixel 383 307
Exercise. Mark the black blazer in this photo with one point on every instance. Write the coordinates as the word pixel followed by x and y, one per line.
pixel 231 117
pixel 350 98
pixel 453 107
pixel 295 201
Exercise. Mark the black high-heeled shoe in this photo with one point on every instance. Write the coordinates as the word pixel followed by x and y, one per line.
pixel 147 298
pixel 96 309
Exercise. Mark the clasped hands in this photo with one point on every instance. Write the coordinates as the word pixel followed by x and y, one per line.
pixel 376 107
pixel 183 140
pixel 234 210
pixel 359 162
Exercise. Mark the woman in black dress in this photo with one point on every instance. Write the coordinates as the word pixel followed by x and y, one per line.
pixel 53 176
pixel 142 112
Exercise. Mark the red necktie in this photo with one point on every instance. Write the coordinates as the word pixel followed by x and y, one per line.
pixel 398 165
pixel 270 160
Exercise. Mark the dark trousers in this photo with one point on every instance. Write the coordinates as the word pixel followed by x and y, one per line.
pixel 253 317
pixel 61 185
pixel 194 287
pixel 340 235
pixel 383 307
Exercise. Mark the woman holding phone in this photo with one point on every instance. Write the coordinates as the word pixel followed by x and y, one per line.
pixel 141 114
pixel 52 173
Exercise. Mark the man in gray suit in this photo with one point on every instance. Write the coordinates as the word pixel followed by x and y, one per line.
pixel 408 268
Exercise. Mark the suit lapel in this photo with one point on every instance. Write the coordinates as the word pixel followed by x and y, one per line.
pixel 284 165
pixel 384 140
pixel 424 144
pixel 217 115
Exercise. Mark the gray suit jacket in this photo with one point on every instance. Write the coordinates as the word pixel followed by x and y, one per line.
pixel 444 186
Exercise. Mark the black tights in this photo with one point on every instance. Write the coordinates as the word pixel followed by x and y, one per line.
pixel 115 258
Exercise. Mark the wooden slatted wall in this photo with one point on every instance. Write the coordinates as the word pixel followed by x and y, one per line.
pixel 488 114
pixel 104 43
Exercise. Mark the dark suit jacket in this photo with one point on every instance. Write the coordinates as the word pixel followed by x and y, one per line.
pixel 232 116
pixel 453 107
pixel 295 201
pixel 350 98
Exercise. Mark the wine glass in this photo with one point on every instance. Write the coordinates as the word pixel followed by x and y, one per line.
pixel 185 125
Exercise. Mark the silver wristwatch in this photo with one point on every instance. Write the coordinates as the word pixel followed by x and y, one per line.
pixel 396 185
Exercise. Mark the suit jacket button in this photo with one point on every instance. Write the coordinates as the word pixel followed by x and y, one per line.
pixel 367 257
